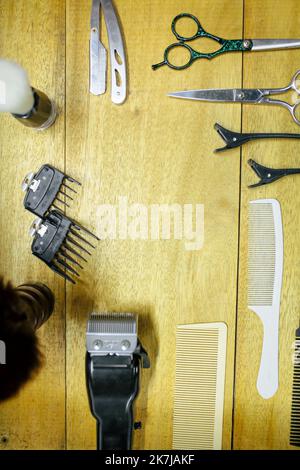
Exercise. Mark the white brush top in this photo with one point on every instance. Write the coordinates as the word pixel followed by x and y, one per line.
pixel 15 92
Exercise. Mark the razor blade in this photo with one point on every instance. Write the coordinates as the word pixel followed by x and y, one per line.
pixel 111 333
pixel 47 188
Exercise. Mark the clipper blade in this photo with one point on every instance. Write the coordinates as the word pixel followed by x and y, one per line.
pixel 46 188
pixel 57 242
pixel 111 333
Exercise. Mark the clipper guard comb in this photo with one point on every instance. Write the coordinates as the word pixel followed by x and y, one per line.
pixel 57 240
pixel 45 189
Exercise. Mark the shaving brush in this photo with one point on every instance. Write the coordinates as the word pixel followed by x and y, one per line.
pixel 23 310
pixel 28 105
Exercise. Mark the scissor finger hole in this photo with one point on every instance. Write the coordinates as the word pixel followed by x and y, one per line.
pixel 296 82
pixel 179 56
pixel 185 27
pixel 296 112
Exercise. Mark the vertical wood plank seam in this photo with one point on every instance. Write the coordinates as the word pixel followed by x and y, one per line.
pixel 65 170
pixel 238 247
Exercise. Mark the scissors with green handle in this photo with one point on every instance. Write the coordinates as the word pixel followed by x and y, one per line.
pixel 227 45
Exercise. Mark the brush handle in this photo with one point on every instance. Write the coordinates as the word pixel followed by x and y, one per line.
pixel 267 381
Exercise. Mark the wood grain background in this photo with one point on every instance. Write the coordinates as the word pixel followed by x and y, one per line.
pixel 151 150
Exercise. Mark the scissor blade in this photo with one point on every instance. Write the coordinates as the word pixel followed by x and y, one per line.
pixel 98 55
pixel 235 95
pixel 271 44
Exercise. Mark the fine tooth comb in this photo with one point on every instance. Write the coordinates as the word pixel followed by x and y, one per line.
pixel 46 188
pixel 199 386
pixel 295 414
pixel 265 266
pixel 56 240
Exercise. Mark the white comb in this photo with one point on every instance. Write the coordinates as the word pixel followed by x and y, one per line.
pixel 265 266
pixel 199 386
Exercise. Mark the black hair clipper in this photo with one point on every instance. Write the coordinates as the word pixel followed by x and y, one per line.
pixel 57 241
pixel 46 188
pixel 113 359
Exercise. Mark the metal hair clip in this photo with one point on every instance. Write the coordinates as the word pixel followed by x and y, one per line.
pixel 268 175
pixel 113 359
pixel 236 139
pixel 56 239
pixel 44 187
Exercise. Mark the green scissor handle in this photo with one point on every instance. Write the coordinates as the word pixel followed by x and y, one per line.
pixel 227 44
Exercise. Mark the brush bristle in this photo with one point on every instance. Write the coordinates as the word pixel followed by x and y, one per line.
pixel 261 254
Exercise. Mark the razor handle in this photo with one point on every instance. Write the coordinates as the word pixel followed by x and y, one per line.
pixel 112 383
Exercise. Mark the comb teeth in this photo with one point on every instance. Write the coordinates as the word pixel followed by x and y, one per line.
pixel 261 254
pixel 53 244
pixel 112 323
pixel 74 252
pixel 295 413
pixel 199 386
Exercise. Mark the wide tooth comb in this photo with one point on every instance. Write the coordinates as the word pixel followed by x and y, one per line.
pixel 74 242
pixel 66 265
pixel 81 238
pixel 295 413
pixel 45 188
pixel 265 266
pixel 69 258
pixel 52 242
pixel 71 250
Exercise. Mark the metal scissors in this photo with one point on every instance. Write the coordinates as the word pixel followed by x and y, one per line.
pixel 227 45
pixel 254 96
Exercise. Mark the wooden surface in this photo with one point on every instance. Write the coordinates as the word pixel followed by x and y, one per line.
pixel 152 149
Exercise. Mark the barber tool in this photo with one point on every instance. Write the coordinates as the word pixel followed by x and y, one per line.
pixel 43 188
pixel 295 413
pixel 236 139
pixel 24 309
pixel 252 96
pixel 268 175
pixel 265 266
pixel 29 106
pixel 39 302
pixel 114 355
pixel 57 239
pixel 98 56
pixel 227 45
pixel 199 386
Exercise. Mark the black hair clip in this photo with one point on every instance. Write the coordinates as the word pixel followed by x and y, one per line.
pixel 46 187
pixel 236 139
pixel 268 175
pixel 57 239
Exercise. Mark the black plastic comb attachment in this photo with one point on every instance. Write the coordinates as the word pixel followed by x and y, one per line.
pixel 53 244
pixel 45 188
